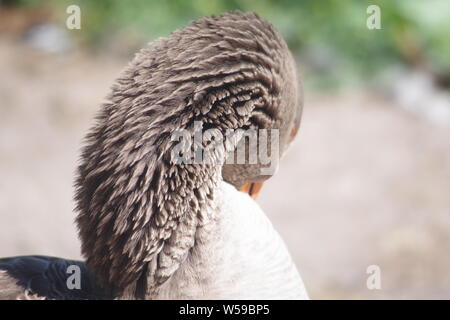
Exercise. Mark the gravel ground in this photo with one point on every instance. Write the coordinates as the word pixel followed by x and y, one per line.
pixel 365 183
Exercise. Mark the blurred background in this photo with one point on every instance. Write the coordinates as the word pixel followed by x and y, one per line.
pixel 367 182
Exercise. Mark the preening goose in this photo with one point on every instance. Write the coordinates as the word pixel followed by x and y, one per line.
pixel 155 228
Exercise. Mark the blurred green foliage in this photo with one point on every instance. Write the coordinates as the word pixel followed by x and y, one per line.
pixel 329 37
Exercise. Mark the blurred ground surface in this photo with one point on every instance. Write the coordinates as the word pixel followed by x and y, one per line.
pixel 365 183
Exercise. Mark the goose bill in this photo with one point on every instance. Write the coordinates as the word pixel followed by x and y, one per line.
pixel 252 188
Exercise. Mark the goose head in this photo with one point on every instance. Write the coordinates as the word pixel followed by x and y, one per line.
pixel 138 211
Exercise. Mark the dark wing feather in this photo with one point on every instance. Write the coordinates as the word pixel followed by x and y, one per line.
pixel 47 277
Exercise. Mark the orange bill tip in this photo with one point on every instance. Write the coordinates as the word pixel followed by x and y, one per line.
pixel 252 189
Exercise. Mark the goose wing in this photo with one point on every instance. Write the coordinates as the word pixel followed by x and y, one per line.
pixel 42 277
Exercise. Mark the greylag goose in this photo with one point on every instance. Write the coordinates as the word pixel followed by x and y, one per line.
pixel 154 229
